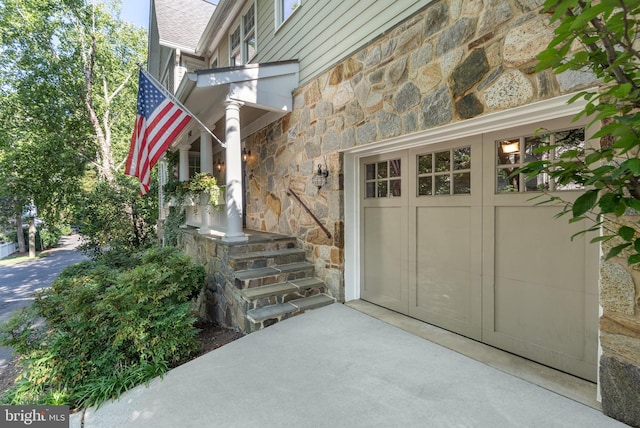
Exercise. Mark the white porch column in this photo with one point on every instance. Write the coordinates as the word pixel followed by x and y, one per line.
pixel 183 166
pixel 206 152
pixel 233 165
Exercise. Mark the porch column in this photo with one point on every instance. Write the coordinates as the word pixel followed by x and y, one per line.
pixel 206 152
pixel 233 165
pixel 183 166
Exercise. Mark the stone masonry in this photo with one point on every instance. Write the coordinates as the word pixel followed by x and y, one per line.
pixel 454 60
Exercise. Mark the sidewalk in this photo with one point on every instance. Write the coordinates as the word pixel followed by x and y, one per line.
pixel 337 367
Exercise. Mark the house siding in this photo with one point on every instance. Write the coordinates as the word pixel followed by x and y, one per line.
pixel 319 34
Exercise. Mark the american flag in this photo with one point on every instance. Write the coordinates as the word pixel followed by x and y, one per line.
pixel 158 122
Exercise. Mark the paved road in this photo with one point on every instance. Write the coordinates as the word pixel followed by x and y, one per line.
pixel 18 282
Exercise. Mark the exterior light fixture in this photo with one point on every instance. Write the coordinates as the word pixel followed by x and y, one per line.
pixel 509 147
pixel 319 179
pixel 246 154
pixel 220 165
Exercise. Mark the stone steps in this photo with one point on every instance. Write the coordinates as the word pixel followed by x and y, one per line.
pixel 269 315
pixel 266 258
pixel 258 277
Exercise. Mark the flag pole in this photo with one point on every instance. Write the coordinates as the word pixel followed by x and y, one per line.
pixel 175 100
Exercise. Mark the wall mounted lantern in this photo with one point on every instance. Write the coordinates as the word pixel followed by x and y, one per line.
pixel 509 147
pixel 319 179
pixel 220 165
pixel 246 154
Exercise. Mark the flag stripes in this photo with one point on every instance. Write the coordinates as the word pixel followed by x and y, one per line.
pixel 158 123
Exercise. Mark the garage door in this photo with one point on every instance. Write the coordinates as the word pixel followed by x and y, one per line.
pixel 450 237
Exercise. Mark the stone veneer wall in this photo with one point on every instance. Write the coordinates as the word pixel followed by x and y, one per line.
pixel 620 335
pixel 455 60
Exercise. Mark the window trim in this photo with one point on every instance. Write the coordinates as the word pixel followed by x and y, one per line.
pixel 279 13
pixel 241 50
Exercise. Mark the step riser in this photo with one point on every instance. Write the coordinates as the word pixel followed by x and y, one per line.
pixel 283 298
pixel 261 262
pixel 284 244
pixel 275 278
pixel 259 319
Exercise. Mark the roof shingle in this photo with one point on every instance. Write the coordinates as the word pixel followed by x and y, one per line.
pixel 181 23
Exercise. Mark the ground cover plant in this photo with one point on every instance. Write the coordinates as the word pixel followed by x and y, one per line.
pixel 105 326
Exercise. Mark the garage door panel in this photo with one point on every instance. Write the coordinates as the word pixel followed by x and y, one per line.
pixel 383 271
pixel 447 251
pixel 540 315
pixel 530 243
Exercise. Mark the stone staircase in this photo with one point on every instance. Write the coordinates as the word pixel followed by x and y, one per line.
pixel 273 281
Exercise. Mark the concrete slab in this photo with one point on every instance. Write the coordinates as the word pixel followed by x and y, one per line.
pixel 337 367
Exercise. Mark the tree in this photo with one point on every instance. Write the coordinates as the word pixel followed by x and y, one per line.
pixel 608 33
pixel 67 100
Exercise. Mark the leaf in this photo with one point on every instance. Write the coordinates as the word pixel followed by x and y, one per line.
pixel 603 238
pixel 616 250
pixel 633 259
pixel 634 165
pixel 626 233
pixel 585 202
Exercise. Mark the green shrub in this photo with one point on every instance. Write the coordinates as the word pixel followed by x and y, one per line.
pixel 108 326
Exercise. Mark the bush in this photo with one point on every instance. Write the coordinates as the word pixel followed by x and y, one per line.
pixel 108 326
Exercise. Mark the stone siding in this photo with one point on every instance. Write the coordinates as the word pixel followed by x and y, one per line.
pixel 620 334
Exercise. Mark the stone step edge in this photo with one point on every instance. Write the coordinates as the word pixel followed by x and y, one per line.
pixel 291 286
pixel 256 273
pixel 266 254
pixel 274 311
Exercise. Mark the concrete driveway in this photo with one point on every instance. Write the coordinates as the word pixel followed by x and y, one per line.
pixel 338 367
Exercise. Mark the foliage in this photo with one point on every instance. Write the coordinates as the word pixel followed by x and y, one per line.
pixel 116 216
pixel 200 183
pixel 67 100
pixel 109 324
pixel 171 226
pixel 608 32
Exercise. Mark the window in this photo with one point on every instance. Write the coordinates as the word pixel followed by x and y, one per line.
pixel 445 173
pixel 382 179
pixel 249 33
pixel 514 153
pixel 234 47
pixel 194 164
pixel 284 9
pixel 242 41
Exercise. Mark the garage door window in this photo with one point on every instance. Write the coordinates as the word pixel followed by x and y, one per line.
pixel 445 173
pixel 514 153
pixel 383 179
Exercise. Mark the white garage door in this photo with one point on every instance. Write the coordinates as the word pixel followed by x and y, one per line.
pixel 451 238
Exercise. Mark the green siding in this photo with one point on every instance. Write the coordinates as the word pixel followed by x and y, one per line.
pixel 321 33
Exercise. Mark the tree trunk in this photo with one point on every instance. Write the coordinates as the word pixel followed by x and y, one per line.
pixel 32 238
pixel 20 234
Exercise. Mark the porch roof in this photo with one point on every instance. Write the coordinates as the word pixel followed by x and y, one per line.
pixel 263 89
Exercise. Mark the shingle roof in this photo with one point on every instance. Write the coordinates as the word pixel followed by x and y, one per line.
pixel 181 23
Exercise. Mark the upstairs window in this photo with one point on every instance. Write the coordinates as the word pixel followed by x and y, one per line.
pixel 284 9
pixel 249 34
pixel 242 41
pixel 234 47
